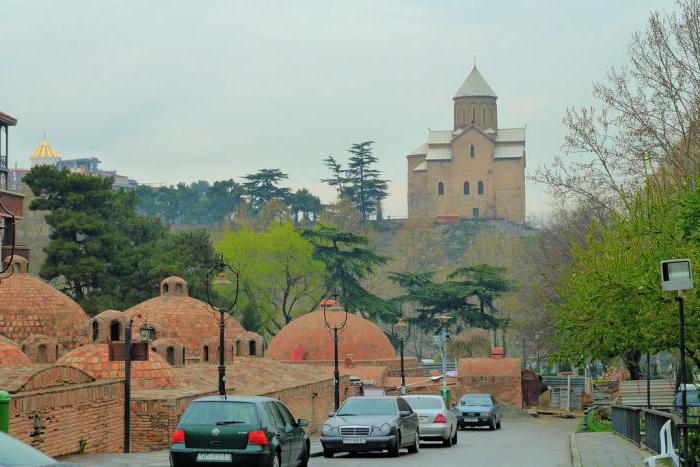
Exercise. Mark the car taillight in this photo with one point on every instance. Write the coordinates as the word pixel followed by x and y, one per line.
pixel 489 414
pixel 440 418
pixel 178 436
pixel 257 437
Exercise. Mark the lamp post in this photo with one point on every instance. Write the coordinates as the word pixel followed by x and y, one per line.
pixel 677 276
pixel 401 331
pixel 335 327
pixel 220 268
pixel 537 344
pixel 443 319
pixel 146 332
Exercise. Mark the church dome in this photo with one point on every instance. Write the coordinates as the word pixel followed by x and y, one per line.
pixel 308 338
pixel 11 354
pixel 177 315
pixel 44 154
pixel 93 359
pixel 31 306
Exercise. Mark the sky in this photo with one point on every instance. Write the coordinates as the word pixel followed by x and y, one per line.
pixel 170 91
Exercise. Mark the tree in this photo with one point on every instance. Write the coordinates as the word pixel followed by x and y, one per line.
pixel 263 186
pixel 348 261
pixel 304 202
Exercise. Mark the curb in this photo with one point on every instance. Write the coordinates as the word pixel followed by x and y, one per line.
pixel 575 454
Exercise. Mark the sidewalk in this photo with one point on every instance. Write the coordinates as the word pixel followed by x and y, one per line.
pixel 605 450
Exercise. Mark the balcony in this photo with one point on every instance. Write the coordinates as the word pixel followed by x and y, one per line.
pixel 4 158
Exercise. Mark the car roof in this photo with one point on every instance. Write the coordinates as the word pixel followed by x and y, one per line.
pixel 218 398
pixel 427 396
pixel 477 394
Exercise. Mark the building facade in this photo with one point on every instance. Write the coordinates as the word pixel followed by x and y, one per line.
pixel 475 170
pixel 11 203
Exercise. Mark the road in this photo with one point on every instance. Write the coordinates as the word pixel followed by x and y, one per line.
pixel 536 442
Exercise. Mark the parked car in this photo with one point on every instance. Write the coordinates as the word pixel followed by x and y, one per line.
pixel 239 431
pixel 436 420
pixel 14 452
pixel 478 410
pixel 364 424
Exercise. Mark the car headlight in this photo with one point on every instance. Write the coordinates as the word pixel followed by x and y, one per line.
pixel 384 429
pixel 327 430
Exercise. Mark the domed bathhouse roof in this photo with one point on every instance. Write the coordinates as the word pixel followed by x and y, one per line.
pixel 12 355
pixel 31 306
pixel 93 359
pixel 192 322
pixel 308 338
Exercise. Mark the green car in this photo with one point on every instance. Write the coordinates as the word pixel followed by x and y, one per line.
pixel 239 431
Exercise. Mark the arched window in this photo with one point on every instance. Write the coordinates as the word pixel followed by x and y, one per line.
pixel 238 348
pixel 41 354
pixel 170 355
pixel 115 330
pixel 56 352
pixel 95 330
pixel 178 288
pixel 484 112
pixel 252 348
pixel 473 113
pixel 441 188
pixel 471 151
pixel 183 355
pixel 466 188
pixel 205 353
pixel 165 288
pixel 481 188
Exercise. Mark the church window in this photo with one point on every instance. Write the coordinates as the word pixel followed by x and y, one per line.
pixel 466 188
pixel 484 112
pixel 115 331
pixel 475 213
pixel 480 187
pixel 441 188
pixel 473 113
pixel 471 151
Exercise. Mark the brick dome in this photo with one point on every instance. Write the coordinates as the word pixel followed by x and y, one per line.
pixel 308 338
pixel 93 359
pixel 31 306
pixel 177 315
pixel 12 355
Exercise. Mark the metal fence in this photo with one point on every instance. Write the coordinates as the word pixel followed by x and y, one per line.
pixel 625 422
pixel 653 421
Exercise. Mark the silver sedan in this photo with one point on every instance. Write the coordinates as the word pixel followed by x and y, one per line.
pixel 437 422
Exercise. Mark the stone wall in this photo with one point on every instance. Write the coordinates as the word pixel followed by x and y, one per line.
pixel 497 376
pixel 55 420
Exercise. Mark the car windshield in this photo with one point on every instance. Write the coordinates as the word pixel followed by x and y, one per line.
pixel 15 452
pixel 213 412
pixel 418 403
pixel 477 399
pixel 361 406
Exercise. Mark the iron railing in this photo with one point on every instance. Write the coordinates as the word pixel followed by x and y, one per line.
pixel 653 421
pixel 625 422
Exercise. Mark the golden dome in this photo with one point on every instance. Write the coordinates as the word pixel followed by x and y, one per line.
pixel 44 150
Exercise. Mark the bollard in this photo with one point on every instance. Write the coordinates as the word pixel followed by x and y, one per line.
pixel 4 411
pixel 446 395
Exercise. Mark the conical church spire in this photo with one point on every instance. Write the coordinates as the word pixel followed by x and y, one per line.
pixel 475 86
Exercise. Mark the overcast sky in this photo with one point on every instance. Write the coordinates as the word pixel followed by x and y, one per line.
pixel 168 91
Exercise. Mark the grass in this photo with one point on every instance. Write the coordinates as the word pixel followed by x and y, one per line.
pixel 595 424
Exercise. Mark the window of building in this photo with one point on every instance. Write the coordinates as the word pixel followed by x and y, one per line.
pixel 115 330
pixel 441 188
pixel 41 354
pixel 170 355
pixel 466 188
pixel 95 330
pixel 484 112
pixel 252 348
pixel 178 288
pixel 473 113
pixel 471 151
pixel 238 348
pixel 183 355
pixel 481 188
pixel 205 353
pixel 475 213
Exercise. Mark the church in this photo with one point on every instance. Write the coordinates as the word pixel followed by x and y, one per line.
pixel 476 170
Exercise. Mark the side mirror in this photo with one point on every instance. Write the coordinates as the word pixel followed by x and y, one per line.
pixel 405 413
pixel 302 422
pixel 331 414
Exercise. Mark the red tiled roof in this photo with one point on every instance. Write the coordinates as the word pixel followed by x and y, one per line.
pixel 309 337
pixel 93 359
pixel 11 355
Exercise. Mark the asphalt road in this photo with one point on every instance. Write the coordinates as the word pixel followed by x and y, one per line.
pixel 536 442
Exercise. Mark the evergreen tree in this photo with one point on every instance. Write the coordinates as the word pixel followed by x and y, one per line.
pixel 263 186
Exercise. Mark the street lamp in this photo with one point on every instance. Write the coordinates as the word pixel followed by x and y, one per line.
pixel 677 276
pixel 402 332
pixel 444 319
pixel 537 344
pixel 222 280
pixel 335 327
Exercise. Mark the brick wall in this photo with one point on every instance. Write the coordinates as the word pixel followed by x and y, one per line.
pixel 55 420
pixel 497 376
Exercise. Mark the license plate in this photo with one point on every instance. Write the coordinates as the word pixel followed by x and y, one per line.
pixel 214 457
pixel 354 441
pixel 471 419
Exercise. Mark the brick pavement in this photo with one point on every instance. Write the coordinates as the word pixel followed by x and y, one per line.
pixel 605 450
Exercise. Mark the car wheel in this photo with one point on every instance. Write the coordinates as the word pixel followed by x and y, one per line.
pixel 454 438
pixel 275 460
pixel 498 425
pixel 328 454
pixel 492 425
pixel 415 447
pixel 447 442
pixel 394 450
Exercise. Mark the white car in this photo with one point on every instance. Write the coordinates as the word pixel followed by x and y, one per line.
pixel 437 422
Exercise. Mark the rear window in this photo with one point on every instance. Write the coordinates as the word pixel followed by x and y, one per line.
pixel 362 406
pixel 476 400
pixel 14 452
pixel 211 413
pixel 418 403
